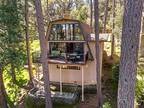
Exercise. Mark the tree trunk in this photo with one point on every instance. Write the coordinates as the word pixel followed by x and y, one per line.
pixel 121 2
pixel 113 27
pixel 142 38
pixel 48 17
pixel 44 52
pixel 91 14
pixel 27 43
pixel 129 53
pixel 97 48
pixel 105 15
pixel 3 101
pixel 13 74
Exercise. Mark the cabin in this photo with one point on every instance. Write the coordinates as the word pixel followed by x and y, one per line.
pixel 71 52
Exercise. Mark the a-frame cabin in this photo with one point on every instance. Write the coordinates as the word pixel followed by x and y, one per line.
pixel 71 52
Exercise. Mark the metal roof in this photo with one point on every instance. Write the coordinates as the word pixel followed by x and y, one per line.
pixel 102 37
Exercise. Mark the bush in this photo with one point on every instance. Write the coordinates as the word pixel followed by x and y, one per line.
pixel 107 105
pixel 36 56
pixel 115 76
pixel 140 85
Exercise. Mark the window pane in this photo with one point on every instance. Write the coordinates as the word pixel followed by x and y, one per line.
pixel 69 52
pixel 77 33
pixel 57 51
pixel 75 52
pixel 67 32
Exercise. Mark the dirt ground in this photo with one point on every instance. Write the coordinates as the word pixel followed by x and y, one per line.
pixel 90 101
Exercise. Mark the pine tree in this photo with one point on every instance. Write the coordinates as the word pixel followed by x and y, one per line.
pixel 129 53
pixel 44 52
pixel 12 41
pixel 105 15
pixel 97 48
pixel 29 59
pixel 3 100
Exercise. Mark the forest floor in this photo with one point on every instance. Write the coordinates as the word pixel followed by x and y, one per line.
pixel 108 96
pixel 90 101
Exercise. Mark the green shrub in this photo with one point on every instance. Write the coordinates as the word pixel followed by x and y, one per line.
pixel 36 56
pixel 107 105
pixel 115 76
pixel 140 85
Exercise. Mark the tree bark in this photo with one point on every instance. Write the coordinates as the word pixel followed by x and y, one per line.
pixel 142 38
pixel 91 13
pixel 13 74
pixel 3 101
pixel 97 48
pixel 48 17
pixel 27 43
pixel 121 2
pixel 129 53
pixel 44 52
pixel 105 15
pixel 113 27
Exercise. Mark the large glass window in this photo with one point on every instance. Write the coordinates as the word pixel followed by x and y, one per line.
pixel 75 52
pixel 57 51
pixel 68 32
pixel 68 52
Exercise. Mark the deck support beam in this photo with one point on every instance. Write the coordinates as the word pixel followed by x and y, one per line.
pixel 82 84
pixel 61 80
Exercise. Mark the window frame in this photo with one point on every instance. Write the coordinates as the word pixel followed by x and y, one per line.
pixel 84 41
pixel 65 60
pixel 81 33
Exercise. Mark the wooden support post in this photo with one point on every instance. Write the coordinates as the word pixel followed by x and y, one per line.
pixel 60 80
pixel 82 84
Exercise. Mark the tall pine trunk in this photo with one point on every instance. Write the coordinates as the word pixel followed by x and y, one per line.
pixel 91 13
pixel 113 27
pixel 105 15
pixel 3 101
pixel 13 75
pixel 44 52
pixel 121 2
pixel 97 49
pixel 27 43
pixel 47 13
pixel 129 53
pixel 142 38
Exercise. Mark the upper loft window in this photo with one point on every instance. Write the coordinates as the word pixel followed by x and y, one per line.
pixel 66 32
